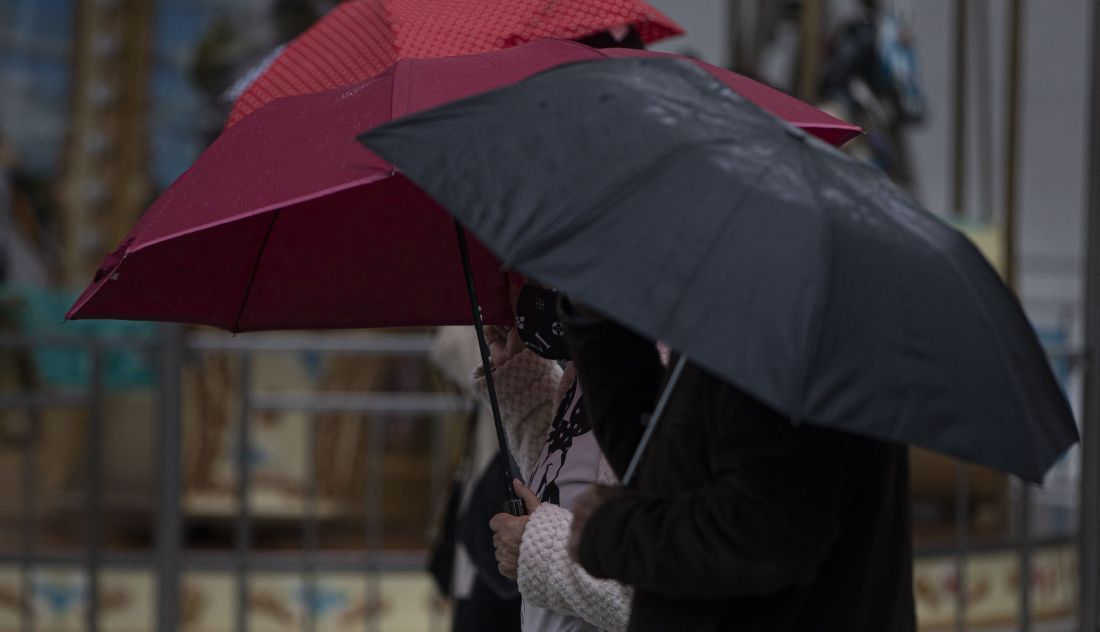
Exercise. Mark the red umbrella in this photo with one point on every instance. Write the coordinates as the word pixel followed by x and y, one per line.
pixel 361 38
pixel 286 222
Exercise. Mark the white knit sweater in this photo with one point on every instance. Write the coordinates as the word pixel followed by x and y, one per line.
pixel 529 389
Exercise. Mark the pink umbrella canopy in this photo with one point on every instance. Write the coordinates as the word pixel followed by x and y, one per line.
pixel 286 222
pixel 360 38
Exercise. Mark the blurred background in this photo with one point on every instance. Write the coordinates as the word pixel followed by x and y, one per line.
pixel 309 471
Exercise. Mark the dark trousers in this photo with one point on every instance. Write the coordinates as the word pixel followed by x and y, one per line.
pixel 484 611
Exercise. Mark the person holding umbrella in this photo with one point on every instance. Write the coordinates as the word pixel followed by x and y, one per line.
pixel 823 321
pixel 741 518
pixel 556 451
pixel 462 560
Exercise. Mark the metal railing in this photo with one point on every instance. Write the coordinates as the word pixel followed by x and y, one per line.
pixel 169 558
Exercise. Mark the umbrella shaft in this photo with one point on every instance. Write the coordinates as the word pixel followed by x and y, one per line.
pixel 513 505
pixel 654 419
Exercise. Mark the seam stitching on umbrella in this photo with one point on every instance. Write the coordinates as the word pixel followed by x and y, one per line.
pixel 875 177
pixel 487 59
pixel 607 190
pixel 977 305
pixel 398 84
pixel 371 36
pixel 813 343
pixel 260 210
pixel 763 173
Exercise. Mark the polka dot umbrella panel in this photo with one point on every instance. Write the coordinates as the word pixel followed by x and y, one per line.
pixel 361 38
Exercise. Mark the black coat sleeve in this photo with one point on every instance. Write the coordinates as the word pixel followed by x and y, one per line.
pixel 620 373
pixel 767 514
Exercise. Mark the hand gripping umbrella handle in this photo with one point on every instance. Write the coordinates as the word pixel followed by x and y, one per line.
pixel 654 419
pixel 513 505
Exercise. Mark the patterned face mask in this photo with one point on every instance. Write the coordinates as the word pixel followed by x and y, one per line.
pixel 538 324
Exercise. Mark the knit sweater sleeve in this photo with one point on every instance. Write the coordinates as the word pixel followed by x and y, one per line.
pixel 549 579
pixel 526 387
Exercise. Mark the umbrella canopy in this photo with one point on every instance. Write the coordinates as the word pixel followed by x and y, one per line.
pixel 360 38
pixel 650 191
pixel 286 222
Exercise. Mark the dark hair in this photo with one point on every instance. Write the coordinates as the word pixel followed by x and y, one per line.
pixel 603 39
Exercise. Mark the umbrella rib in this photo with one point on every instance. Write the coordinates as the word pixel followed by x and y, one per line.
pixel 503 73
pixel 813 342
pixel 255 268
pixel 715 238
pixel 399 88
pixel 977 305
pixel 607 192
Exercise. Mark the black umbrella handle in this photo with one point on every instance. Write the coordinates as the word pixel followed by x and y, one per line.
pixel 654 419
pixel 513 505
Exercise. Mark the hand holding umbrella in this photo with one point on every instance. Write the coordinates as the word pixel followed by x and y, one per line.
pixel 508 531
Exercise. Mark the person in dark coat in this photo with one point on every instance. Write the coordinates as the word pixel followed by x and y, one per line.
pixel 739 518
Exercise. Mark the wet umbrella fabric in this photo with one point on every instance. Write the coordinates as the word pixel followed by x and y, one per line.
pixel 286 222
pixel 651 192
pixel 360 38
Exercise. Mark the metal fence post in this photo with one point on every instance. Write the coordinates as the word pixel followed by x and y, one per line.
pixel 311 534
pixel 962 542
pixel 94 500
pixel 1025 546
pixel 169 488
pixel 373 519
pixel 30 514
pixel 959 156
pixel 1090 427
pixel 244 511
pixel 1012 126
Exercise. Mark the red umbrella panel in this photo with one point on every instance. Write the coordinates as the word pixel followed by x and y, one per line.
pixel 286 222
pixel 360 38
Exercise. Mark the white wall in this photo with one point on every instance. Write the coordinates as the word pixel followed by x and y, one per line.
pixel 707 26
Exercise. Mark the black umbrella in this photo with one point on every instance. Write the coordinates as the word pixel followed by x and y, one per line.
pixel 654 194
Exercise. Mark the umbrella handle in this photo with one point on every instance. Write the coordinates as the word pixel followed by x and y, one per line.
pixel 513 505
pixel 654 419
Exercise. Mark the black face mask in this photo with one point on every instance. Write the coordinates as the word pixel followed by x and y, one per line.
pixel 538 324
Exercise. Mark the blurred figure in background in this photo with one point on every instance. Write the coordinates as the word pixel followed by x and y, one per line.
pixel 549 435
pixel 871 77
pixel 235 49
pixel 463 562
pixel 20 265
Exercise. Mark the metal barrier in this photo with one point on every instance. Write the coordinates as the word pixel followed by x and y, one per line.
pixel 169 559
